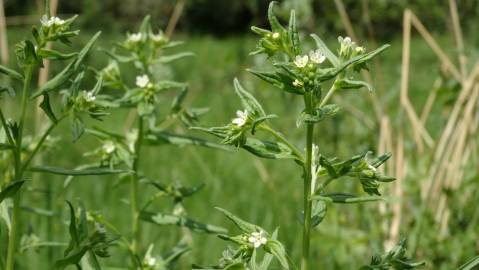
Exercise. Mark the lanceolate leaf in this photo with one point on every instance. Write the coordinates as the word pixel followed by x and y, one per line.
pixel 164 137
pixel 4 146
pixel 11 73
pixel 248 101
pixel 89 171
pixel 278 251
pixel 170 58
pixel 47 108
pixel 268 149
pixel 273 20
pixel 241 224
pixel 293 33
pixel 352 84
pixel 10 190
pixel 168 219
pixel 471 264
pixel 345 198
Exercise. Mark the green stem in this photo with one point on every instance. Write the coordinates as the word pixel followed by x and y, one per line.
pixel 308 99
pixel 39 145
pixel 135 223
pixel 282 139
pixel 12 239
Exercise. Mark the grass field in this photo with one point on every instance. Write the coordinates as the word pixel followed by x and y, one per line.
pixel 262 191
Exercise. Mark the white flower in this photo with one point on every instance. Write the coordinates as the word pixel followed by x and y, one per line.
pixel 109 147
pixel 301 61
pixel 275 35
pixel 157 38
pixel 52 21
pixel 297 83
pixel 151 261
pixel 347 41
pixel 142 81
pixel 89 96
pixel 372 168
pixel 242 117
pixel 135 37
pixel 257 239
pixel 317 57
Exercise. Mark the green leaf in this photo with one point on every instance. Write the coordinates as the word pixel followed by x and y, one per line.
pixel 320 114
pixel 345 198
pixel 47 108
pixel 352 84
pixel 241 224
pixel 318 213
pixel 293 34
pixel 55 55
pixel 170 58
pixel 325 50
pixel 248 101
pixel 83 172
pixel 277 249
pixel 85 50
pixel 4 146
pixel 72 259
pixel 280 80
pixel 178 101
pixel 77 128
pixel 273 20
pixel 10 190
pixel 471 264
pixel 11 73
pixel 165 137
pixel 268 149
pixel 168 219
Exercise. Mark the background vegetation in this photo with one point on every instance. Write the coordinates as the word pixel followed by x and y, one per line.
pixel 267 193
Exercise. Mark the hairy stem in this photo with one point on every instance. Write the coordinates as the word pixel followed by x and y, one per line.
pixel 308 99
pixel 135 223
pixel 12 239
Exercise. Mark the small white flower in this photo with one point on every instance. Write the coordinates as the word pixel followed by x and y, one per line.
pixel 151 261
pixel 52 21
pixel 347 41
pixel 372 168
pixel 89 96
pixel 317 57
pixel 297 83
pixel 242 117
pixel 158 37
pixel 301 61
pixel 275 35
pixel 142 81
pixel 257 239
pixel 109 147
pixel 135 37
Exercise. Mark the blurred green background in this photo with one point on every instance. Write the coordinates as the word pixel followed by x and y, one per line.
pixel 268 193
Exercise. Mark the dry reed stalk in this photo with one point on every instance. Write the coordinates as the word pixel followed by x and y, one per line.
pixel 434 46
pixel 456 26
pixel 430 102
pixel 178 10
pixel 3 36
pixel 448 129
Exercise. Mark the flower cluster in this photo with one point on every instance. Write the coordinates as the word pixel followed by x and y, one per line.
pixel 52 21
pixel 307 66
pixel 349 48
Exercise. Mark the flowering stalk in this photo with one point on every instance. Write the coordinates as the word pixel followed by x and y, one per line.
pixel 13 237
pixel 307 202
pixel 135 222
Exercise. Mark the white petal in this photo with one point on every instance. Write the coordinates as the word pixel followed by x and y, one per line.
pixel 257 244
pixel 252 239
pixel 263 240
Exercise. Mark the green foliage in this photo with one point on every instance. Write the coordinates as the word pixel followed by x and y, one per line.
pixel 393 259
